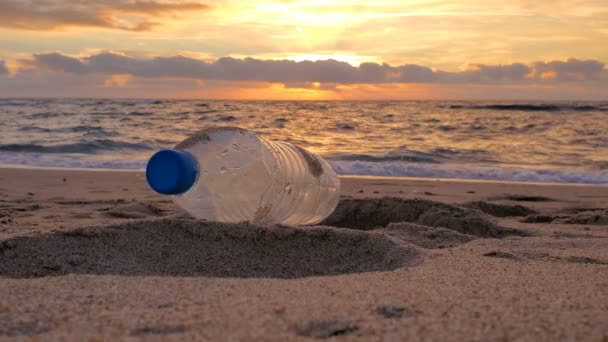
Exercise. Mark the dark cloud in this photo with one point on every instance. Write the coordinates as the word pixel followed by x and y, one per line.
pixel 488 73
pixel 130 15
pixel 57 61
pixel 570 70
pixel 412 73
pixel 3 68
pixel 325 72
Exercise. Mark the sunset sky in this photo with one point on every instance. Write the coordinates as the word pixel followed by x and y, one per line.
pixel 332 49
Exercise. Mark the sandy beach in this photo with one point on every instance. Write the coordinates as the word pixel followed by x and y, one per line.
pixel 96 255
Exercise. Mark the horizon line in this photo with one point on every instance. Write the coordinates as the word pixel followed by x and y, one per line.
pixel 287 100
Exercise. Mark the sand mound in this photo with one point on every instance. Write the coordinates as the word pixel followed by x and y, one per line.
pixel 426 237
pixel 197 248
pixel 572 216
pixel 366 214
pixel 594 218
pixel 500 210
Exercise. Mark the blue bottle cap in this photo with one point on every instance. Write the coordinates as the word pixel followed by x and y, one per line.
pixel 171 172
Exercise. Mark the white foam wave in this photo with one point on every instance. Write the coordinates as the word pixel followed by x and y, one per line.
pixel 42 160
pixel 356 168
pixel 399 169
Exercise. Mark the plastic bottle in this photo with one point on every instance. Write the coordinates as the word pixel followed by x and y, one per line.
pixel 229 174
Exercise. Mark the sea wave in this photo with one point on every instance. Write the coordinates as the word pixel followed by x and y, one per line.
pixel 84 129
pixel 533 107
pixel 382 138
pixel 399 169
pixel 344 167
pixel 35 129
pixel 93 146
pixel 65 161
pixel 436 156
pixel 405 156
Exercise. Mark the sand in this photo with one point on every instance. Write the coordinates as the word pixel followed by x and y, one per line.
pixel 97 255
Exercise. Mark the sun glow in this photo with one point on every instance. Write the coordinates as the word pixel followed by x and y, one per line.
pixel 278 91
pixel 350 59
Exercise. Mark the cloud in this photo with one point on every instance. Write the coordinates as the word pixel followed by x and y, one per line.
pixel 57 61
pixel 570 70
pixel 511 72
pixel 117 80
pixel 129 15
pixel 322 71
pixel 3 68
pixel 36 84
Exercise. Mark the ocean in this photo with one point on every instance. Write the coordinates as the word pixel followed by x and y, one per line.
pixel 564 142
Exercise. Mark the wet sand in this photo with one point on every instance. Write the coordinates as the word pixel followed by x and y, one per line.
pixel 96 254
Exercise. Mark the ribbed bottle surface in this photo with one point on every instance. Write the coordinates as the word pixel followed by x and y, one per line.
pixel 244 177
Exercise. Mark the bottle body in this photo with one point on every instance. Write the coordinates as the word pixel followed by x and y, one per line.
pixel 244 177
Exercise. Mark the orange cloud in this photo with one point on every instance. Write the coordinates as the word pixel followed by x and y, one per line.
pixel 118 80
pixel 112 14
pixel 548 75
pixel 3 68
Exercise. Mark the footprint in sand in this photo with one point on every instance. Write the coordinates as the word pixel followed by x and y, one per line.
pixel 135 211
pixel 325 329
pixel 394 312
pixel 524 256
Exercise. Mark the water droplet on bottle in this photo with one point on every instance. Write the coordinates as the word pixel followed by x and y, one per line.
pixel 235 147
pixel 222 169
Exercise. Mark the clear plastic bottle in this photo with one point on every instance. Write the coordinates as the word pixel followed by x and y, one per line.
pixel 229 174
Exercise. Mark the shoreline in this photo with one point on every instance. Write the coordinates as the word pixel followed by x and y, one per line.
pixel 363 177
